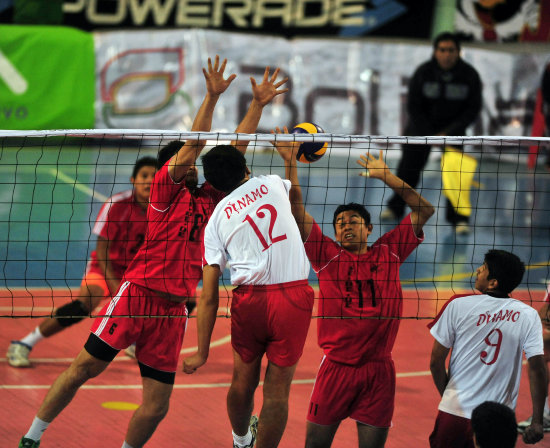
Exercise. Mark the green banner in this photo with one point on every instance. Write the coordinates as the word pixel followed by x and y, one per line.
pixel 46 78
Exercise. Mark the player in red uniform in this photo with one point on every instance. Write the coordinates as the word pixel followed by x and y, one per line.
pixel 360 294
pixel 158 340
pixel 120 229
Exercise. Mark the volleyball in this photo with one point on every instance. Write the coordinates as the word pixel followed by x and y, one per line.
pixel 309 151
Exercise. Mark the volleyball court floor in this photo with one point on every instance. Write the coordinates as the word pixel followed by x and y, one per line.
pixel 46 224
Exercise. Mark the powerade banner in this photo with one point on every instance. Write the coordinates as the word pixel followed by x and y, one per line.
pixel 154 80
pixel 46 78
pixel 504 21
pixel 398 18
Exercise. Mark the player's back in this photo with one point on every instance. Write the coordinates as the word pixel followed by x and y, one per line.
pixel 254 225
pixel 490 334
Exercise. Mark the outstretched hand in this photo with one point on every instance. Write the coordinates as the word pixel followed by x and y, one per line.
pixel 374 167
pixel 287 150
pixel 215 82
pixel 269 88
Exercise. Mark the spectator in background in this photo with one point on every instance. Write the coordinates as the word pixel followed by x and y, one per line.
pixel 444 99
pixel 494 426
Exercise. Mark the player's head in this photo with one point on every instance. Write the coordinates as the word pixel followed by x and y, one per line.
pixel 494 426
pixel 167 151
pixel 446 50
pixel 500 273
pixel 224 167
pixel 352 225
pixel 191 179
pixel 142 176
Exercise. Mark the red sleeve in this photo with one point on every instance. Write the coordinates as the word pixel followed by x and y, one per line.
pixel 163 190
pixel 320 249
pixel 456 296
pixel 402 240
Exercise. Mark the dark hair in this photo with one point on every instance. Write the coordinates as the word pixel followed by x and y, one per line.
pixel 447 36
pixel 144 161
pixel 506 268
pixel 352 206
pixel 494 425
pixel 167 151
pixel 224 167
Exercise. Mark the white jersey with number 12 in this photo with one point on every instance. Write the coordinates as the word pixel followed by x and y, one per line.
pixel 253 228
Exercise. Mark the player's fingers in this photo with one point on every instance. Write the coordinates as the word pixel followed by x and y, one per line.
pixel 278 92
pixel 205 73
pixel 222 67
pixel 280 83
pixel 231 78
pixel 209 64
pixel 253 81
pixel 380 156
pixel 216 63
pixel 285 129
pixel 274 76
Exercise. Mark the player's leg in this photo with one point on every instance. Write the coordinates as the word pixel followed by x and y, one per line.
pixel 274 413
pixel 320 436
pixel 154 406
pixel 62 391
pixel 371 436
pixel 240 397
pixel 92 290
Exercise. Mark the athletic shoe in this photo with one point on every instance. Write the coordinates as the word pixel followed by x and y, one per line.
pixel 131 351
pixel 388 215
pixel 28 443
pixel 525 423
pixel 253 430
pixel 462 228
pixel 18 354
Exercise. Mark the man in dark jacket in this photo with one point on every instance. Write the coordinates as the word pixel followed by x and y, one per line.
pixel 444 99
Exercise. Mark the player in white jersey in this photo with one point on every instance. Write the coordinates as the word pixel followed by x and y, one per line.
pixel 544 314
pixel 253 228
pixel 487 334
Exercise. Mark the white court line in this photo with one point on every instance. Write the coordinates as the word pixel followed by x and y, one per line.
pixel 83 188
pixel 179 386
pixel 184 351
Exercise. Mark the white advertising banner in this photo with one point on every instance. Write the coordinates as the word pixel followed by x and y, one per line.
pixel 154 80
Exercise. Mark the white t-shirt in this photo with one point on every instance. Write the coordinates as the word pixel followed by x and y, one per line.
pixel 487 336
pixel 254 228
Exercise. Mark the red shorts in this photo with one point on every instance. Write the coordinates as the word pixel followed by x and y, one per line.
pixel 158 339
pixel 271 319
pixel 452 431
pixel 365 393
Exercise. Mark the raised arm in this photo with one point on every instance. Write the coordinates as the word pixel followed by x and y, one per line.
pixel 376 168
pixel 262 95
pixel 190 151
pixel 288 150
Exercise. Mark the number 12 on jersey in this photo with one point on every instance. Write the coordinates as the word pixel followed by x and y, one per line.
pixel 273 218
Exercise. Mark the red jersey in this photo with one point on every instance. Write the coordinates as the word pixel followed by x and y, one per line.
pixel 360 286
pixel 123 222
pixel 170 259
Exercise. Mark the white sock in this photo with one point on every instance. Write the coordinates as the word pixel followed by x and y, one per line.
pixel 546 407
pixel 37 429
pixel 32 338
pixel 125 445
pixel 242 441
